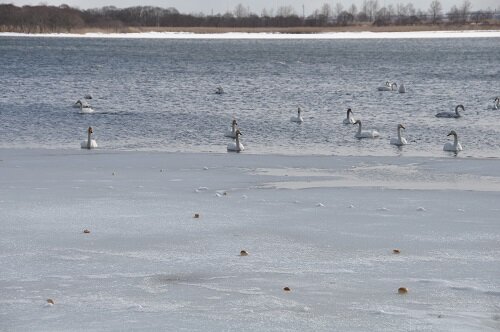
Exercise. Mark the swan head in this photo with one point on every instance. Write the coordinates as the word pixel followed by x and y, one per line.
pixel 357 122
pixel 497 100
pixel 238 132
pixel 401 126
pixel 460 106
pixel 299 110
pixel 349 111
pixel 234 122
pixel 90 130
pixel 452 133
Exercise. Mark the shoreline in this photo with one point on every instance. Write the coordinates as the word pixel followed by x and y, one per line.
pixel 290 33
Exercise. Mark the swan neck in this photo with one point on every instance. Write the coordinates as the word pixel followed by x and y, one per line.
pixel 399 133
pixel 88 140
pixel 359 127
pixel 237 141
pixel 455 140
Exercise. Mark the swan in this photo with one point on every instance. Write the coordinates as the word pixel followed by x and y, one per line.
pixel 232 130
pixel 455 146
pixel 219 90
pixel 402 88
pixel 388 87
pixel 399 140
pixel 496 103
pixel 297 118
pixel 451 114
pixel 236 146
pixel 349 119
pixel 89 143
pixel 80 103
pixel 365 133
pixel 86 110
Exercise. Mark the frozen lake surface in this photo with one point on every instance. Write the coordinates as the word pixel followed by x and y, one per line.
pixel 323 226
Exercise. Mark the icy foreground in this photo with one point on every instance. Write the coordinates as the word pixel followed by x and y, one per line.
pixel 323 226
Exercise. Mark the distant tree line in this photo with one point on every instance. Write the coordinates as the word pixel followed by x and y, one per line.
pixel 39 19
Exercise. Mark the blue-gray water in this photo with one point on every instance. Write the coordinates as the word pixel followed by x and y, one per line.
pixel 159 94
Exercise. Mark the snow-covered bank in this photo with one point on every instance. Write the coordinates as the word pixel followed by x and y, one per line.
pixel 242 35
pixel 148 264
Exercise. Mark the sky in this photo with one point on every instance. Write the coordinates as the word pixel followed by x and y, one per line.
pixel 256 6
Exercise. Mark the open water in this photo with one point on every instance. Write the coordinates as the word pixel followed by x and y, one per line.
pixel 159 94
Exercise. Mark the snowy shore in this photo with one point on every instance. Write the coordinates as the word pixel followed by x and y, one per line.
pixel 268 35
pixel 324 226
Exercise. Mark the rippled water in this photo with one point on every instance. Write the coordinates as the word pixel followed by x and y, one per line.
pixel 159 94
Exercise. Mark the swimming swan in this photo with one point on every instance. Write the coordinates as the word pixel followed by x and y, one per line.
pixel 80 103
pixel 232 130
pixel 455 146
pixel 219 90
pixel 388 87
pixel 349 119
pixel 297 118
pixel 236 146
pixel 399 140
pixel 89 143
pixel 496 103
pixel 365 133
pixel 451 114
pixel 402 88
pixel 86 110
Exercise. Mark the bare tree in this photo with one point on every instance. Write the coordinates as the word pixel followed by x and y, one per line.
pixel 465 10
pixel 240 11
pixel 353 10
pixel 285 11
pixel 326 11
pixel 435 10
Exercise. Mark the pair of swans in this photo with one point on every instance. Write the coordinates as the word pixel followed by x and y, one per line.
pixel 455 114
pixel 236 146
pixel 392 87
pixel 298 118
pixel 234 132
pixel 89 143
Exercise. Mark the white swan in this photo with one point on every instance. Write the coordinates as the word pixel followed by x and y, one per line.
pixel 89 143
pixel 402 88
pixel 86 110
pixel 231 132
pixel 388 87
pixel 236 146
pixel 372 133
pixel 451 114
pixel 219 90
pixel 496 103
pixel 297 118
pixel 399 140
pixel 455 146
pixel 349 119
